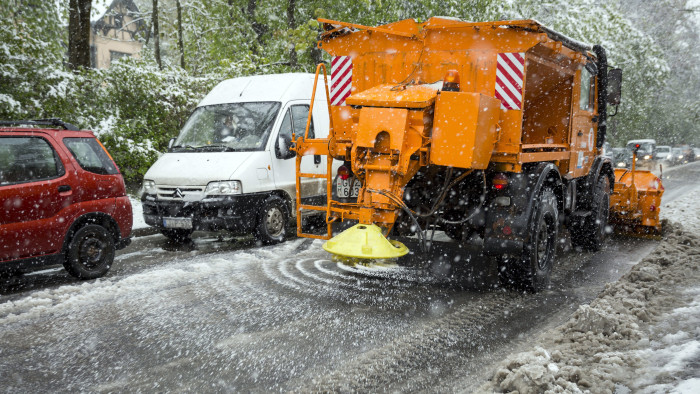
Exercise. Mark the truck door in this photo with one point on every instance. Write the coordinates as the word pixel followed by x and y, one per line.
pixel 284 170
pixel 584 128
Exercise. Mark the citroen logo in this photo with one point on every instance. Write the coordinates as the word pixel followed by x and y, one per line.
pixel 178 193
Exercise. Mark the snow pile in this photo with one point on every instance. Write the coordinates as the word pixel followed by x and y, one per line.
pixel 642 333
pixel 137 212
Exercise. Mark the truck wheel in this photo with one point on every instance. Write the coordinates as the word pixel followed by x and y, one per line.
pixel 531 272
pixel 591 233
pixel 455 232
pixel 90 253
pixel 177 235
pixel 272 221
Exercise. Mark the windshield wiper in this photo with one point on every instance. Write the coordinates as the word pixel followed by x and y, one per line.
pixel 183 147
pixel 216 148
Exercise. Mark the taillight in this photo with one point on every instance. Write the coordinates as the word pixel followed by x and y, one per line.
pixel 343 172
pixel 499 181
pixel 451 82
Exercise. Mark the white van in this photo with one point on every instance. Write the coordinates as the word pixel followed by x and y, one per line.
pixel 231 168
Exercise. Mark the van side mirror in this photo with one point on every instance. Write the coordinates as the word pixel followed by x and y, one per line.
pixel 614 86
pixel 282 147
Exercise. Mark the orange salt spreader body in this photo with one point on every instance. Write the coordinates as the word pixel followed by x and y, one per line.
pixel 635 202
pixel 489 131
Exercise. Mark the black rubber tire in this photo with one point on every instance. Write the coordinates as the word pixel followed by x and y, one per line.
pixel 454 231
pixel 532 271
pixel 273 220
pixel 177 235
pixel 590 234
pixel 90 253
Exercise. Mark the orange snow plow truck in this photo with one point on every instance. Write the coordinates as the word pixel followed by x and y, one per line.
pixel 491 132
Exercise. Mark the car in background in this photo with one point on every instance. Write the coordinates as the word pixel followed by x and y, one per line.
pixel 663 152
pixel 62 199
pixel 646 152
pixel 688 154
pixel 676 156
pixel 621 157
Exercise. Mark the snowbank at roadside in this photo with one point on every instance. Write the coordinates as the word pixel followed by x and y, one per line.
pixel 137 210
pixel 642 333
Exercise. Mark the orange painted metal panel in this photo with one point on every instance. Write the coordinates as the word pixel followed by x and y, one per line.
pixel 464 130
pixel 374 121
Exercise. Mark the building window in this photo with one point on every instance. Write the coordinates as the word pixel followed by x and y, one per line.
pixel 115 55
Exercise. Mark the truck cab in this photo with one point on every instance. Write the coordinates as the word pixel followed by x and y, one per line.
pixel 231 168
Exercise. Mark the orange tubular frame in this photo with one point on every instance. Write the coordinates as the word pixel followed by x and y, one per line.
pixel 317 146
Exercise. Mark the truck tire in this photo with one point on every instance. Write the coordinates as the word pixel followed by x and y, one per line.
pixel 90 253
pixel 179 236
pixel 273 219
pixel 590 234
pixel 532 271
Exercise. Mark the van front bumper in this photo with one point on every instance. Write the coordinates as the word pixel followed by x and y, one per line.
pixel 234 213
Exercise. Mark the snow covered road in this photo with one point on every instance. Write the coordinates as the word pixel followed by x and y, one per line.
pixel 227 316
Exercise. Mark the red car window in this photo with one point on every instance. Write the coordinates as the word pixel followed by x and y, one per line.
pixel 27 159
pixel 91 156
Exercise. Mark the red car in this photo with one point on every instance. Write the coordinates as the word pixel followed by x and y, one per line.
pixel 62 199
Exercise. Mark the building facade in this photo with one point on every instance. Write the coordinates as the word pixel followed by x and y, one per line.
pixel 116 34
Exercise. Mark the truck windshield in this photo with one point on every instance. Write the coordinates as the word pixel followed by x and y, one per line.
pixel 232 127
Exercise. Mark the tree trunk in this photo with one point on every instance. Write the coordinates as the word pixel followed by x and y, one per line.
pixel 291 23
pixel 180 45
pixel 79 33
pixel 156 34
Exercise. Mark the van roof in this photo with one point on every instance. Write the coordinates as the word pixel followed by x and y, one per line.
pixel 271 87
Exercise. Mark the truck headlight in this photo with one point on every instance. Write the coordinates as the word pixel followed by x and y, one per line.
pixel 647 157
pixel 224 188
pixel 148 187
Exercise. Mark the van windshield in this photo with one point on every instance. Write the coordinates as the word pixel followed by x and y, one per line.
pixel 232 127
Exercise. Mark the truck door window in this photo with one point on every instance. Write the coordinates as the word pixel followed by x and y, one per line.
pixel 587 90
pixel 27 159
pixel 295 120
pixel 300 114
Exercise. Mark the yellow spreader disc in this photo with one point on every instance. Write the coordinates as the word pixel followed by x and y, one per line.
pixel 364 241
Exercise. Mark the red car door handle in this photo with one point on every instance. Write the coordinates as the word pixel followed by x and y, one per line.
pixel 63 188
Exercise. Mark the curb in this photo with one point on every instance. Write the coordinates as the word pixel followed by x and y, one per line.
pixel 145 231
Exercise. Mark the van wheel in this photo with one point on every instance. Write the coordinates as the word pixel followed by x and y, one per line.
pixel 90 253
pixel 177 235
pixel 591 232
pixel 532 271
pixel 273 219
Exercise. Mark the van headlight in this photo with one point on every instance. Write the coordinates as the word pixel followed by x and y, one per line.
pixel 148 187
pixel 224 188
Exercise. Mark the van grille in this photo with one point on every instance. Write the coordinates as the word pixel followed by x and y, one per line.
pixel 187 192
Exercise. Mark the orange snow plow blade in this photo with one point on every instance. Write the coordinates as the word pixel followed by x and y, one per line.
pixel 635 202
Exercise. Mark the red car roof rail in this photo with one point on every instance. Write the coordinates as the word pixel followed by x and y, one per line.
pixel 40 122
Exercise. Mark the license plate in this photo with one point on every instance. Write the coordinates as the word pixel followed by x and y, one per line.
pixel 185 223
pixel 343 188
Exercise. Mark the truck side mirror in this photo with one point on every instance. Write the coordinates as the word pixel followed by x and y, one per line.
pixel 614 86
pixel 282 147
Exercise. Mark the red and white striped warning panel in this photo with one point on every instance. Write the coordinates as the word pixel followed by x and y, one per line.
pixel 341 79
pixel 510 69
